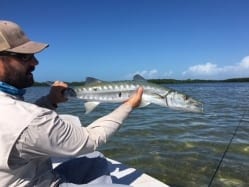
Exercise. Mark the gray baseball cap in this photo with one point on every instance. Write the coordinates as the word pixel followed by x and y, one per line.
pixel 13 39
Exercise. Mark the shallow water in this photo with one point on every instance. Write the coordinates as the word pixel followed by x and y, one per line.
pixel 179 148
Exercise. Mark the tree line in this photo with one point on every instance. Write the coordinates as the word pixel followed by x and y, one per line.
pixel 165 81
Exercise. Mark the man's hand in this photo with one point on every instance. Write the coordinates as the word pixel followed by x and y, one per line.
pixel 135 100
pixel 55 95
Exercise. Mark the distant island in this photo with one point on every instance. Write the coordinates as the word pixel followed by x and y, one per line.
pixel 165 81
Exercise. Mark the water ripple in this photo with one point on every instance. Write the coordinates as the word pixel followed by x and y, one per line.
pixel 179 148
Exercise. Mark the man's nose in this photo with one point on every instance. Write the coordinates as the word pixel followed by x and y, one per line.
pixel 34 61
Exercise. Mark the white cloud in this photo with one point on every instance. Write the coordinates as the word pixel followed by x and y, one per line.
pixel 245 62
pixel 210 70
pixel 207 69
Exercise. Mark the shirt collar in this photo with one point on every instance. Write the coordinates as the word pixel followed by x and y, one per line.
pixel 4 87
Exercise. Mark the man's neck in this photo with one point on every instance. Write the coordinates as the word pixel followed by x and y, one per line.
pixel 5 87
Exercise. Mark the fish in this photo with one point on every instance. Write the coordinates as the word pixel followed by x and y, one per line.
pixel 96 91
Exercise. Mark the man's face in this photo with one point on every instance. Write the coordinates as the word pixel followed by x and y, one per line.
pixel 18 70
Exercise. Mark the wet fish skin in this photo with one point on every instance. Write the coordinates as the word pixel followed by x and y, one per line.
pixel 96 91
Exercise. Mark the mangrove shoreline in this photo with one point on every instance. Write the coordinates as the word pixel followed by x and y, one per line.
pixel 166 81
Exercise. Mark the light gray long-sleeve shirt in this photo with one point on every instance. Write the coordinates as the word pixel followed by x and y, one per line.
pixel 57 137
pixel 45 134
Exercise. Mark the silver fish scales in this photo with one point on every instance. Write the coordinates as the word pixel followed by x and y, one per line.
pixel 96 91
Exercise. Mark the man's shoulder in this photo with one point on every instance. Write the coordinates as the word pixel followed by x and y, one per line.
pixel 31 107
pixel 19 106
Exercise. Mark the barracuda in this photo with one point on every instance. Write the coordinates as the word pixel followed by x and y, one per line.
pixel 97 91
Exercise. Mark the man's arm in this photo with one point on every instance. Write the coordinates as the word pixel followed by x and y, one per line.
pixel 49 135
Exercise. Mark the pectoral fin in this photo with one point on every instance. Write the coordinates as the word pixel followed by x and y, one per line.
pixel 143 104
pixel 90 106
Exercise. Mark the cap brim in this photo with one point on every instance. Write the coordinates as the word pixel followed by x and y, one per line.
pixel 29 47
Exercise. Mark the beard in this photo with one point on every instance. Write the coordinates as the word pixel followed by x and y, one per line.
pixel 18 78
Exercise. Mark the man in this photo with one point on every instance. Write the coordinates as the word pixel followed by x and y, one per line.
pixel 30 134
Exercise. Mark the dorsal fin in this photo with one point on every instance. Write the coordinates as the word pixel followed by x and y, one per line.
pixel 91 80
pixel 138 77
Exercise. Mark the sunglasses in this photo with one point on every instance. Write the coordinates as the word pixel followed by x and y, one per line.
pixel 22 57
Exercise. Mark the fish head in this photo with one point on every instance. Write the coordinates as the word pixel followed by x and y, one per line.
pixel 183 102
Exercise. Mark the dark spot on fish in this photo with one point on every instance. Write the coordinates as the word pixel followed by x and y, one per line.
pixel 119 94
pixel 95 89
pixel 186 97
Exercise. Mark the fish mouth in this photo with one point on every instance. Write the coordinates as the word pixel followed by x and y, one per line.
pixel 185 103
pixel 191 109
pixel 196 107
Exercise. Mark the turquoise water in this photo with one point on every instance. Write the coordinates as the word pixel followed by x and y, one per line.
pixel 179 148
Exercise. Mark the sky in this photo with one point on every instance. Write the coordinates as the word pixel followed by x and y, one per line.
pixel 116 39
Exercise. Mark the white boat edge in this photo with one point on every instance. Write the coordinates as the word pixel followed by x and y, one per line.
pixel 120 173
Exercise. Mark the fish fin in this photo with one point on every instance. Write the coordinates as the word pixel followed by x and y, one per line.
pixel 138 77
pixel 143 104
pixel 90 106
pixel 91 80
